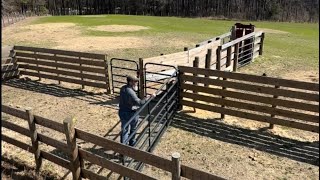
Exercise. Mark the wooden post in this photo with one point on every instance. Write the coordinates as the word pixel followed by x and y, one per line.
pixel 261 44
pixel 196 65
pixel 233 33
pixel 81 72
pixel 34 140
pixel 218 52
pixel 235 59
pixel 208 62
pixel 186 49
pixel 223 88
pixel 69 131
pixel 35 53
pixel 141 77
pixel 107 74
pixel 2 17
pixel 228 63
pixel 176 166
pixel 55 55
pixel 271 126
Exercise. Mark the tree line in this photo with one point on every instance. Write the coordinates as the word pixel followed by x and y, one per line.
pixel 275 10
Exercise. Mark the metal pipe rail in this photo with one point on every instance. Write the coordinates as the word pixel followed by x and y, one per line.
pixel 113 74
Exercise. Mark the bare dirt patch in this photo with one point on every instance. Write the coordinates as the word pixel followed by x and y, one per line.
pixel 308 76
pixel 68 36
pixel 102 43
pixel 266 30
pixel 119 28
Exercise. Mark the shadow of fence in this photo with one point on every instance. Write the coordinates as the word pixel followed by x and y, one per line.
pixel 101 98
pixel 307 152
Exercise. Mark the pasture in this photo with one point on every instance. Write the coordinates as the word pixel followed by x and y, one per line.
pixel 290 51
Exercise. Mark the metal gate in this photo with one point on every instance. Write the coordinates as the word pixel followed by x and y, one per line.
pixel 120 68
pixel 156 114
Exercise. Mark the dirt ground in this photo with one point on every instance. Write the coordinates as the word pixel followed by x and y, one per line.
pixel 234 148
pixel 119 28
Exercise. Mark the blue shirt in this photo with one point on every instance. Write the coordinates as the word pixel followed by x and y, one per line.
pixel 128 99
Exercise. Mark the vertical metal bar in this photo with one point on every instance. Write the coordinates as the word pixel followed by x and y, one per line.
pixel 142 79
pixel 167 103
pixel 149 124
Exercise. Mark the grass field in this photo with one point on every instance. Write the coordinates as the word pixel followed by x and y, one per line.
pixel 289 47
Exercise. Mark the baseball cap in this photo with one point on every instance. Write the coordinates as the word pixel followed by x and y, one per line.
pixel 131 78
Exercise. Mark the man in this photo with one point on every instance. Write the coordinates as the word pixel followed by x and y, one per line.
pixel 127 108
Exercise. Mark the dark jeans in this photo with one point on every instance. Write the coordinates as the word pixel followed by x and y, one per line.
pixel 125 116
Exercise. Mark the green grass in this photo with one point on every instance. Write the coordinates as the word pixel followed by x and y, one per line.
pixel 296 50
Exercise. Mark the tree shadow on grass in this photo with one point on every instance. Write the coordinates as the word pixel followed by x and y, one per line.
pixel 307 152
pixel 101 98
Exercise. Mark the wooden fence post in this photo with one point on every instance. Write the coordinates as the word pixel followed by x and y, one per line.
pixel 141 77
pixel 69 131
pixel 107 74
pixel 261 44
pixel 3 25
pixel 196 65
pixel 176 166
pixel 34 140
pixel 233 33
pixel 271 126
pixel 187 49
pixel 218 63
pixel 228 63
pixel 81 72
pixel 55 55
pixel 36 58
pixel 235 59
pixel 208 62
pixel 223 88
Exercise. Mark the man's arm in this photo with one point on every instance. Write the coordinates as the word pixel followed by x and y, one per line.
pixel 136 100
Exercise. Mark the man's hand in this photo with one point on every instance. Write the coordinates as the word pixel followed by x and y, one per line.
pixel 151 96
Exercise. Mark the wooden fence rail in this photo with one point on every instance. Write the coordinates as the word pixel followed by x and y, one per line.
pixel 77 155
pixel 276 101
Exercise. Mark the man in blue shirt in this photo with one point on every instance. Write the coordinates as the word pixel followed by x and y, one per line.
pixel 127 108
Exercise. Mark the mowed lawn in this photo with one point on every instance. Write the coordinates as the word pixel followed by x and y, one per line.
pixel 289 47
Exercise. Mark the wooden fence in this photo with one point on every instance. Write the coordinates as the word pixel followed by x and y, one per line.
pixel 216 53
pixel 86 69
pixel 78 155
pixel 11 18
pixel 9 68
pixel 283 102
